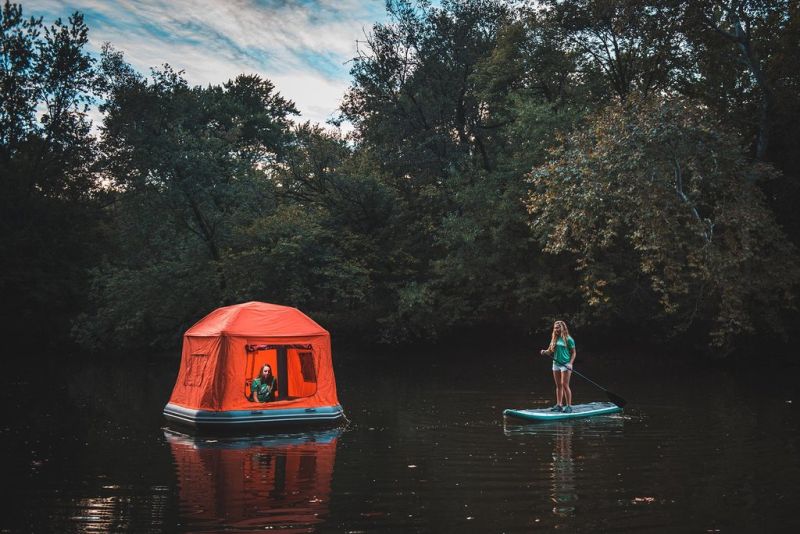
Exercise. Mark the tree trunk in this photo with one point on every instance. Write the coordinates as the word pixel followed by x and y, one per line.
pixel 208 236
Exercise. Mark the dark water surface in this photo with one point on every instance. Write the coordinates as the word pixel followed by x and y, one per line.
pixel 698 449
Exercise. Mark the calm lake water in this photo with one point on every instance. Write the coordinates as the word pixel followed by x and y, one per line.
pixel 698 449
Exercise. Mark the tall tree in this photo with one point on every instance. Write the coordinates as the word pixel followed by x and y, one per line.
pixel 329 246
pixel 190 166
pixel 49 204
pixel 414 97
pixel 636 46
pixel 655 203
pixel 456 103
pixel 747 26
pixel 745 56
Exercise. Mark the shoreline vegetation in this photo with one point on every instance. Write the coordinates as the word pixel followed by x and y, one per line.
pixel 629 167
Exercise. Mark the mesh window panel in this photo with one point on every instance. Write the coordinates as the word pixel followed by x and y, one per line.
pixel 307 367
pixel 196 370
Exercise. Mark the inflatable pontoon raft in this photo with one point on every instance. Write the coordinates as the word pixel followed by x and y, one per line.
pixel 272 416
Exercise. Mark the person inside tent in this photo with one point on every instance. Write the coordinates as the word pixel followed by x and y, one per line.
pixel 264 386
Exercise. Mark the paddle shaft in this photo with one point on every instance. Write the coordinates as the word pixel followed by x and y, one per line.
pixel 589 380
pixel 613 397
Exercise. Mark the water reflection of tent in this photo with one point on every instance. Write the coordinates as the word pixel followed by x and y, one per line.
pixel 225 350
pixel 279 481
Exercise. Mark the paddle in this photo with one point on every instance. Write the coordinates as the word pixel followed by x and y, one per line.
pixel 613 397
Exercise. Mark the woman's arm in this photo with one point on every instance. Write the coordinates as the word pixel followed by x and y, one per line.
pixel 572 355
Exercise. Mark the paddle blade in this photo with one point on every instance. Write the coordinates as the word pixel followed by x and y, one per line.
pixel 616 399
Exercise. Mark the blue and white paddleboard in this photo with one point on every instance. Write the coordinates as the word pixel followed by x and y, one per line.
pixel 578 410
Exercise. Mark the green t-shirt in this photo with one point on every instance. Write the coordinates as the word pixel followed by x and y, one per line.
pixel 563 356
pixel 264 391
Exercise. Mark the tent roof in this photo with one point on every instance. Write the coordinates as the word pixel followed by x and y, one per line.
pixel 256 319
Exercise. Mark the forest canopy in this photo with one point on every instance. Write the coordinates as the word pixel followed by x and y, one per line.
pixel 613 163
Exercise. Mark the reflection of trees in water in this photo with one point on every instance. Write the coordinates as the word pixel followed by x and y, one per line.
pixel 563 470
pixel 280 481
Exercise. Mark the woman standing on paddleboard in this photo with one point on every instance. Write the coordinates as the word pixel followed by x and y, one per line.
pixel 562 351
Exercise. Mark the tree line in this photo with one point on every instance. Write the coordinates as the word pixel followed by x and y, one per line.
pixel 626 165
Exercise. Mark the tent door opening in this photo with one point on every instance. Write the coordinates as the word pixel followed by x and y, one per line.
pixel 293 365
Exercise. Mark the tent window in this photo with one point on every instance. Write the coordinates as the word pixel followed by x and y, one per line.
pixel 307 367
pixel 196 370
pixel 294 366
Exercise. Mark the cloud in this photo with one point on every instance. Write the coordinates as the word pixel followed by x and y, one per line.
pixel 302 46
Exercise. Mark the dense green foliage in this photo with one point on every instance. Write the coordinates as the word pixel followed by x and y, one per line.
pixel 613 163
pixel 656 203
pixel 51 217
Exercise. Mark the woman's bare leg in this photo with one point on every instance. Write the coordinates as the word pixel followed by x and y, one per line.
pixel 565 376
pixel 559 390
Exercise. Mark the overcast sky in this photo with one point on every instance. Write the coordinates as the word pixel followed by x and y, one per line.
pixel 304 47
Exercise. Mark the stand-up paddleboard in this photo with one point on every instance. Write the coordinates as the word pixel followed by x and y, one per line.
pixel 578 410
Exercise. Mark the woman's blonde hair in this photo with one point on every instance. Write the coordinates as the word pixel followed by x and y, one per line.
pixel 564 335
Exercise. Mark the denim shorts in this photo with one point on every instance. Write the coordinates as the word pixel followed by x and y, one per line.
pixel 560 368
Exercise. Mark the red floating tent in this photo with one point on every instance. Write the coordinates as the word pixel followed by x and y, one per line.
pixel 224 351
